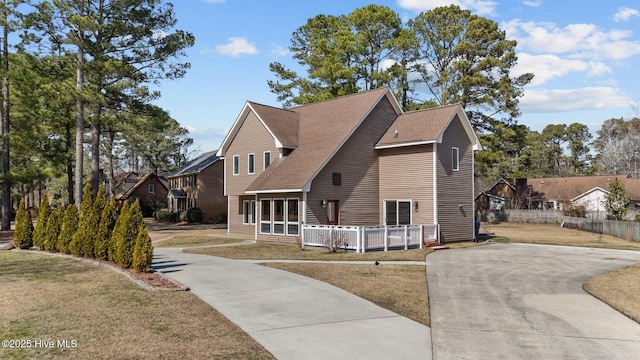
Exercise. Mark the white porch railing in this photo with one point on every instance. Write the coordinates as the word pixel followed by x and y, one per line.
pixel 363 238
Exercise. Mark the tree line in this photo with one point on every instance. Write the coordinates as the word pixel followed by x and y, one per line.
pixel 77 81
pixel 443 56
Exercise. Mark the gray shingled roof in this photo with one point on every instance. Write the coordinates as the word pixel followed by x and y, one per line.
pixel 196 165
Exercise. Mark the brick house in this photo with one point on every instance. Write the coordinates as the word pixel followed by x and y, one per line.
pixel 199 184
pixel 150 189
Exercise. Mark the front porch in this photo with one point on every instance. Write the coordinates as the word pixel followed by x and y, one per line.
pixel 365 238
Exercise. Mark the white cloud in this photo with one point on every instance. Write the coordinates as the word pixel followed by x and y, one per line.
pixel 480 7
pixel 278 51
pixel 532 3
pixel 547 67
pixel 589 98
pixel 625 14
pixel 585 41
pixel 237 46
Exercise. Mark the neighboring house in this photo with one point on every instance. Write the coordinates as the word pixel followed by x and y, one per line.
pixel 200 183
pixel 593 200
pixel 486 201
pixel 353 160
pixel 150 189
pixel 555 193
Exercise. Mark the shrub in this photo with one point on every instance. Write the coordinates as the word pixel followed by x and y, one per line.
pixel 222 218
pixel 166 215
pixel 105 228
pixel 69 227
pixel 84 233
pixel 142 251
pixel 23 234
pixel 41 226
pixel 575 211
pixel 193 215
pixel 125 234
pixel 54 224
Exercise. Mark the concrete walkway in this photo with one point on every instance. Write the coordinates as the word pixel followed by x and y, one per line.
pixel 517 301
pixel 295 317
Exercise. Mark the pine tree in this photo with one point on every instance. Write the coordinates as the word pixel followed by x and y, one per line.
pixel 105 228
pixel 52 230
pixel 142 251
pixel 41 226
pixel 84 233
pixel 23 234
pixel 69 227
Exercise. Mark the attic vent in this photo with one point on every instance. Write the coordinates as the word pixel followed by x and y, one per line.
pixel 396 134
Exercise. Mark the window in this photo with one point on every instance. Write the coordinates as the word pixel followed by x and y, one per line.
pixel 236 164
pixel 337 178
pixel 397 212
pixel 152 188
pixel 251 166
pixel 278 216
pixel 248 212
pixel 265 216
pixel 267 159
pixel 455 159
pixel 292 217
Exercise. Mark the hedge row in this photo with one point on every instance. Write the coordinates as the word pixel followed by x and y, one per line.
pixel 98 231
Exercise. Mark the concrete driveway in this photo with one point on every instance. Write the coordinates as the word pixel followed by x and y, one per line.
pixel 517 301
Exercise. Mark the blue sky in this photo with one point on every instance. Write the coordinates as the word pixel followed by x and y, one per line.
pixel 585 55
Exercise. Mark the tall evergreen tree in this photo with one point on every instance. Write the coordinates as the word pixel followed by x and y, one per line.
pixel 107 223
pixel 84 233
pixel 617 201
pixel 142 251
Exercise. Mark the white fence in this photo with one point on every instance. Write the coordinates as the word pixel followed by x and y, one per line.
pixel 363 238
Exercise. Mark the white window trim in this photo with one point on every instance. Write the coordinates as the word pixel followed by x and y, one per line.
pixel 270 216
pixel 264 159
pixel 249 163
pixel 236 169
pixel 455 159
pixel 397 201
pixel 288 221
pixel 284 216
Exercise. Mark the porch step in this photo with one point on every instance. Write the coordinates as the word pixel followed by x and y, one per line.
pixel 431 243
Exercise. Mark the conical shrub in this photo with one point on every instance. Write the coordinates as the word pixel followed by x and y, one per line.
pixel 142 251
pixel 40 230
pixel 128 233
pixel 23 233
pixel 117 232
pixel 52 230
pixel 69 227
pixel 105 228
pixel 84 232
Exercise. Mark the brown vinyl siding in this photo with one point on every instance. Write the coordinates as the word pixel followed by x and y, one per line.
pixel 455 188
pixel 252 138
pixel 406 173
pixel 357 162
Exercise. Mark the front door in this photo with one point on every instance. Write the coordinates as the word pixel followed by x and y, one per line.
pixel 332 212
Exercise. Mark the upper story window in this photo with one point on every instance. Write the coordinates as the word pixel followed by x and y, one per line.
pixel 267 159
pixel 152 188
pixel 252 165
pixel 236 164
pixel 455 159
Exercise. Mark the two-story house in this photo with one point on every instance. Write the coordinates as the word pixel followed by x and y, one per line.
pixel 199 184
pixel 353 160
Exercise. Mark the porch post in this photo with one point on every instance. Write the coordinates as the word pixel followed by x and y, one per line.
pixel 421 235
pixel 386 238
pixel 406 237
